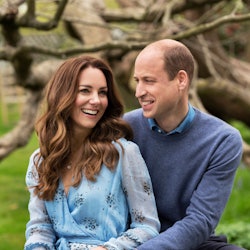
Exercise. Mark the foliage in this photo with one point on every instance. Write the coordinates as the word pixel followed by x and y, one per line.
pixel 244 130
pixel 238 206
pixel 237 233
pixel 235 222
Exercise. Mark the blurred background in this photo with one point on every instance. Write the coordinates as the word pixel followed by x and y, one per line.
pixel 35 37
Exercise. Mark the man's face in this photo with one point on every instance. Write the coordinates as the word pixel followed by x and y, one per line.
pixel 157 95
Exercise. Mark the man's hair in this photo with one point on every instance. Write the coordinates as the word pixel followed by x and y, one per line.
pixel 178 57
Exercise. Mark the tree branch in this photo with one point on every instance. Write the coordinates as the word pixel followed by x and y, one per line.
pixel 140 14
pixel 20 135
pixel 128 46
pixel 125 46
pixel 31 10
pixel 29 20
pixel 232 18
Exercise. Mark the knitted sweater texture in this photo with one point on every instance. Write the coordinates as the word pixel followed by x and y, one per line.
pixel 192 174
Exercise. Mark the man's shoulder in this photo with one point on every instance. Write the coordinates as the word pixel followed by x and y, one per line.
pixel 214 123
pixel 134 114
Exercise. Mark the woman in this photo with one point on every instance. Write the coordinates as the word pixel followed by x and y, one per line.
pixel 89 186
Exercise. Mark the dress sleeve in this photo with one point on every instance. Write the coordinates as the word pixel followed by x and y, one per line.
pixel 39 232
pixel 139 192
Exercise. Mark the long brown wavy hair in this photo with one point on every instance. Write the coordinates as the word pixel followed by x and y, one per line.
pixel 54 128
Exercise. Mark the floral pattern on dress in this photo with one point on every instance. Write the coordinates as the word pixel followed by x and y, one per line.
pixel 105 212
pixel 79 200
pixel 90 223
pixel 110 199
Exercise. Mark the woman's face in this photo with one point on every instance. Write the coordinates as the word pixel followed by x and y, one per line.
pixel 91 100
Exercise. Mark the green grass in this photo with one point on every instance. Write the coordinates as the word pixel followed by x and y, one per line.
pixel 14 197
pixel 235 222
pixel 238 206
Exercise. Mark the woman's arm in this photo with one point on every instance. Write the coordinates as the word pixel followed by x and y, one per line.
pixel 39 232
pixel 138 188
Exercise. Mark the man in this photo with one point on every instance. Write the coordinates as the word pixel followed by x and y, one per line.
pixel 192 157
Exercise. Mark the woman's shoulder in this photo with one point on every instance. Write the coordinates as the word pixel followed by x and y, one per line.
pixel 31 174
pixel 34 154
pixel 126 145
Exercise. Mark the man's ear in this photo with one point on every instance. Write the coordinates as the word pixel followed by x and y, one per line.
pixel 182 78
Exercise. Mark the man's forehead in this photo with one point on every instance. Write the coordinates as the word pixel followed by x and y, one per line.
pixel 154 51
pixel 149 61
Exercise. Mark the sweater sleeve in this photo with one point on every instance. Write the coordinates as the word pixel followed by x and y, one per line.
pixel 138 189
pixel 39 232
pixel 207 202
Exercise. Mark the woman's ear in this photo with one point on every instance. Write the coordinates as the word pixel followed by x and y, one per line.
pixel 182 78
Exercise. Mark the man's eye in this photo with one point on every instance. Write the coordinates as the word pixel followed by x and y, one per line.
pixel 136 80
pixel 149 80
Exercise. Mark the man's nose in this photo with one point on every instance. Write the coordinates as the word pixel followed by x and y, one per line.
pixel 140 90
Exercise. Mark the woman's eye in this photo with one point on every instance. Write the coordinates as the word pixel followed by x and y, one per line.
pixel 84 90
pixel 103 92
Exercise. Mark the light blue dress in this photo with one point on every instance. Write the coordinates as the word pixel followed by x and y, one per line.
pixel 117 211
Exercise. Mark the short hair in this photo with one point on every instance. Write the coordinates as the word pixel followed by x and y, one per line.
pixel 178 57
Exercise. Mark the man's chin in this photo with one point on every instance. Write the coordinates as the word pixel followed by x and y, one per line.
pixel 147 114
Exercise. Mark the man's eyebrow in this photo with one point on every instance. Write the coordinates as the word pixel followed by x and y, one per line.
pixel 145 77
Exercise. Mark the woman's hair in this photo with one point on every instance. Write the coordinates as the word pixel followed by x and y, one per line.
pixel 54 128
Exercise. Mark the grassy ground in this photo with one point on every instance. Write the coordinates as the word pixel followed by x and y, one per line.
pixel 14 198
pixel 238 207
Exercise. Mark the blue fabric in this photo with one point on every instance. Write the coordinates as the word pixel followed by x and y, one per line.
pixel 97 213
pixel 192 173
pixel 183 125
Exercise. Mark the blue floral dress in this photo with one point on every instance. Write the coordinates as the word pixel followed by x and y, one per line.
pixel 117 211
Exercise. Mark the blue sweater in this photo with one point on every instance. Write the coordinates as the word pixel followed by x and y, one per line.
pixel 192 174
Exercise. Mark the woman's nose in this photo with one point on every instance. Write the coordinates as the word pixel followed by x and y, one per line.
pixel 95 99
